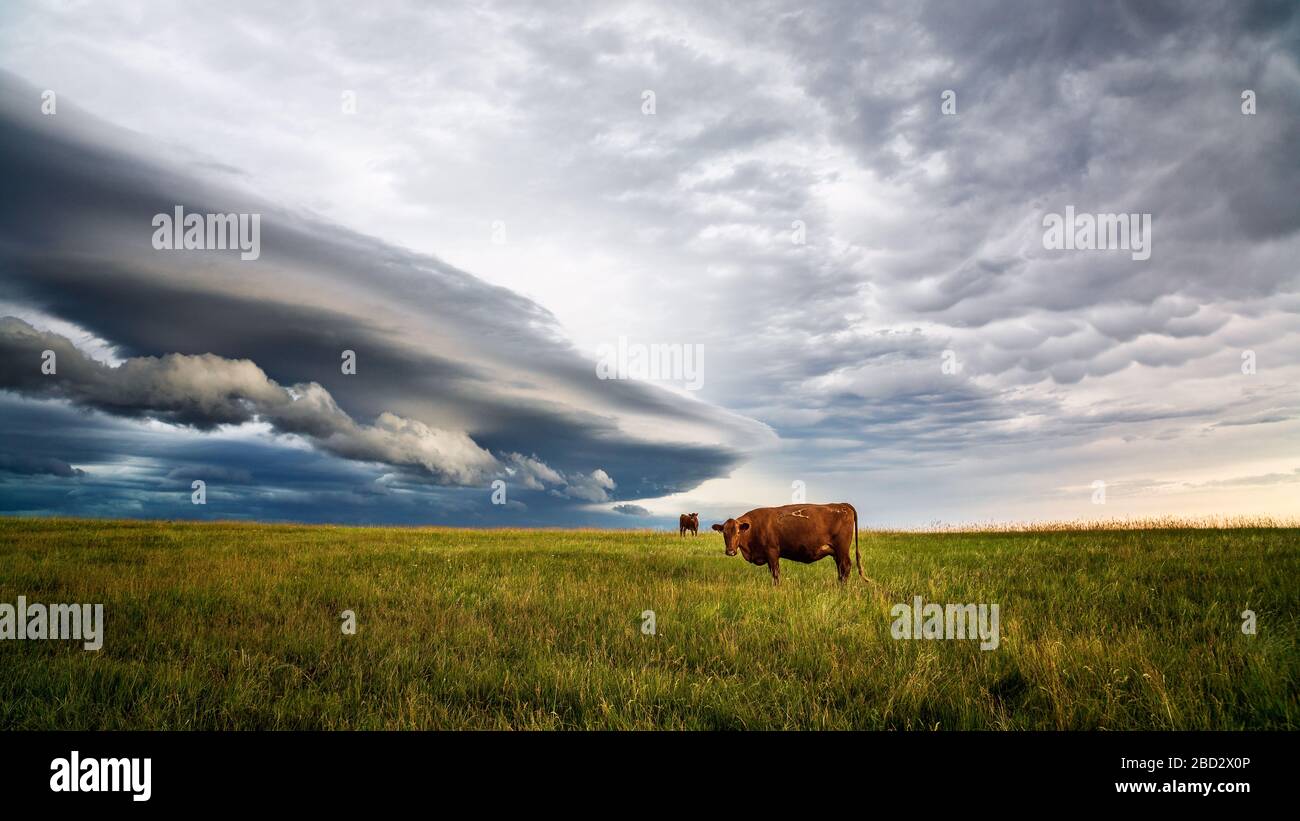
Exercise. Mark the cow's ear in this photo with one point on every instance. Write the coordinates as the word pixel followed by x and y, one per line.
pixel 744 526
pixel 717 527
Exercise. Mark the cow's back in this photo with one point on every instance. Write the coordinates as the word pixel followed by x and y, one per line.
pixel 799 524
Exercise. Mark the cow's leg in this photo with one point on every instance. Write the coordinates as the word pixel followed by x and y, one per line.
pixel 844 564
pixel 774 564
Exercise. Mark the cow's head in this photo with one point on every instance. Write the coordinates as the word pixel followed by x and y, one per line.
pixel 694 517
pixel 735 535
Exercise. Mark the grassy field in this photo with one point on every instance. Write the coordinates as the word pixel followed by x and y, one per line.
pixel 237 626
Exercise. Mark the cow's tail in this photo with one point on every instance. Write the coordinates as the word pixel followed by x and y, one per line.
pixel 856 552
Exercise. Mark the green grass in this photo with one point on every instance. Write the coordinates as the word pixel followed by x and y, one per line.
pixel 237 626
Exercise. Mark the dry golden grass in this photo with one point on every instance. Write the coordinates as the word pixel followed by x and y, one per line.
pixel 1088 525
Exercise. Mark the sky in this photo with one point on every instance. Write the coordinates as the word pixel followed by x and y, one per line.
pixel 838 210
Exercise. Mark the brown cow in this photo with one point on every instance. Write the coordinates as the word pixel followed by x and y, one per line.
pixel 802 533
pixel 688 521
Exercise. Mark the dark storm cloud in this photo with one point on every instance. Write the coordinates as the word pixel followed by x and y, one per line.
pixel 120 469
pixel 78 250
pixel 207 391
pixel 445 361
pixel 25 465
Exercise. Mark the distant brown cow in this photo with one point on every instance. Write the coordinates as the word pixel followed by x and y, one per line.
pixel 688 521
pixel 802 533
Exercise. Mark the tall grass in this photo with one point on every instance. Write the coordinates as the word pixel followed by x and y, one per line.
pixel 237 626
